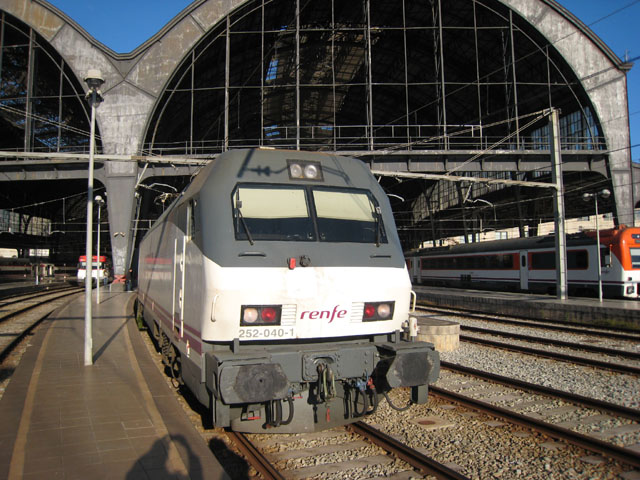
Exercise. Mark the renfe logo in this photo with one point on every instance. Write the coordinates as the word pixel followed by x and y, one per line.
pixel 320 314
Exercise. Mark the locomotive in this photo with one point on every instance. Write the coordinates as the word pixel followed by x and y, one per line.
pixel 276 289
pixel 528 264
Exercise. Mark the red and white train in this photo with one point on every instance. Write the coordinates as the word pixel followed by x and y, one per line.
pixel 101 269
pixel 528 264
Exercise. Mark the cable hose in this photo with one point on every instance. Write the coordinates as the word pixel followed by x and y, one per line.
pixel 288 420
pixel 333 383
pixel 347 403
pixel 278 405
pixel 374 395
pixel 325 391
pixel 399 409
pixel 365 407
pixel 274 413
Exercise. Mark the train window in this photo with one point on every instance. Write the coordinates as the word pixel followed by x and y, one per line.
pixel 635 257
pixel 348 216
pixel 272 212
pixel 577 260
pixel 543 261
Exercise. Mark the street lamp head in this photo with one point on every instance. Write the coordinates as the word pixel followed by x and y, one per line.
pixel 99 200
pixel 94 79
pixel 587 196
pixel 605 193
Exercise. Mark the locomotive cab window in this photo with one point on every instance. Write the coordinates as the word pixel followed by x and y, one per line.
pixel 348 216
pixel 271 213
pixel 300 213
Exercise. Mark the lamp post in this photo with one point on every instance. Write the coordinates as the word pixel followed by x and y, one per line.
pixel 100 203
pixel 93 80
pixel 604 193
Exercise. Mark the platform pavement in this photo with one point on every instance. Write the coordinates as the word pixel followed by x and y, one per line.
pixel 115 419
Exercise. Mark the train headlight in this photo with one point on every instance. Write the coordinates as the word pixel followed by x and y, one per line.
pixel 384 310
pixel 295 171
pixel 377 311
pixel 304 170
pixel 257 315
pixel 249 315
pixel 311 171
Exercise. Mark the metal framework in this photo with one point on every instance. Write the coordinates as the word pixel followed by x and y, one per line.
pixel 420 81
pixel 369 75
pixel 42 106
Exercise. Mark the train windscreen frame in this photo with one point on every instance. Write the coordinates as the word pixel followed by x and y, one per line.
pixel 306 213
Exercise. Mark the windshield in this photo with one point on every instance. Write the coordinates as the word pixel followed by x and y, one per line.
pixel 635 257
pixel 298 213
pixel 272 213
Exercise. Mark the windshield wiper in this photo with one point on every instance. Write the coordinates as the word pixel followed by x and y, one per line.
pixel 241 218
pixel 378 216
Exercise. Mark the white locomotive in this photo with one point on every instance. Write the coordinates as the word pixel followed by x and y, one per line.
pixel 276 288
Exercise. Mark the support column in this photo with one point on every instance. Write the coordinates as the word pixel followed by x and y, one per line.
pixel 120 182
pixel 622 181
pixel 558 207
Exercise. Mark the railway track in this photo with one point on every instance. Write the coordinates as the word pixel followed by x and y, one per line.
pixel 622 360
pixel 595 424
pixel 19 315
pixel 265 463
pixel 625 455
pixel 581 360
pixel 6 302
pixel 506 403
pixel 559 343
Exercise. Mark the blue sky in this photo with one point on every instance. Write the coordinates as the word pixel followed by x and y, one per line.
pixel 124 25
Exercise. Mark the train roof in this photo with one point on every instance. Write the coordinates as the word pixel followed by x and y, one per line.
pixel 270 166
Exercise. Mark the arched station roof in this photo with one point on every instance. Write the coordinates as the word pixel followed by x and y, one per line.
pixel 409 86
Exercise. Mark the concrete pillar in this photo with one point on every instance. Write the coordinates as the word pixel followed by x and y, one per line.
pixel 120 182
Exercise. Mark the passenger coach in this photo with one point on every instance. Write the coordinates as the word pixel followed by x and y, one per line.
pixel 529 264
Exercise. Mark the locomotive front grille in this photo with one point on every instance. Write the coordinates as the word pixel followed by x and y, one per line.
pixel 357 309
pixel 289 315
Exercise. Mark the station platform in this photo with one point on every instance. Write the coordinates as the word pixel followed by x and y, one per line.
pixel 609 312
pixel 115 419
